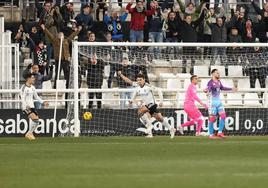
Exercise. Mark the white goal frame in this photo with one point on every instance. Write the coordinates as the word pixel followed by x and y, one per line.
pixel 75 62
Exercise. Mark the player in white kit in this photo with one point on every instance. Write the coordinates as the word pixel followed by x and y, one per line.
pixel 145 91
pixel 28 95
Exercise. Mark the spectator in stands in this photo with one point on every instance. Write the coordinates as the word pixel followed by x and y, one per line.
pixel 172 28
pixel 95 70
pixel 155 29
pixel 156 25
pixel 190 9
pixel 114 55
pixel 21 38
pixel 114 24
pixel 138 15
pixel 101 5
pixel 262 12
pixel 257 67
pixel 189 34
pixel 65 56
pixel 140 59
pixel 261 28
pixel 219 34
pixel 111 54
pixel 85 20
pixel 248 31
pixel 233 52
pixel 39 78
pixel 67 12
pixel 40 57
pixel 35 36
pixel 51 18
pixel 241 15
pixel 204 29
pixel 39 54
pixel 126 69
pixel 86 2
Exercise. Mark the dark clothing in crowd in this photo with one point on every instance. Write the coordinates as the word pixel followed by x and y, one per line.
pixel 257 68
pixel 94 80
pixel 86 21
pixel 188 31
pixel 128 71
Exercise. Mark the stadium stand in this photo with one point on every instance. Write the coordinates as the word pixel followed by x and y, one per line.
pixel 164 71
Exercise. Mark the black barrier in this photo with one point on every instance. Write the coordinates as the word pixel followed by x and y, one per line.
pixel 15 123
pixel 105 122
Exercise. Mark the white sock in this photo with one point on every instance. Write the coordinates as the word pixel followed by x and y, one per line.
pixel 147 122
pixel 33 126
pixel 145 119
pixel 166 124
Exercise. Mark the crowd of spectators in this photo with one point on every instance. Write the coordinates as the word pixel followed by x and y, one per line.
pixel 162 21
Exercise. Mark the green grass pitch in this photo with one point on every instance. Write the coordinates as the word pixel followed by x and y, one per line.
pixel 126 162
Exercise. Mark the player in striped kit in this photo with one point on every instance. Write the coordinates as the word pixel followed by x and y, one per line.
pixel 145 91
pixel 192 111
pixel 214 87
pixel 28 94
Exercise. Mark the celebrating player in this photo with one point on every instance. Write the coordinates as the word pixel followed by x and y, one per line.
pixel 214 87
pixel 192 111
pixel 145 91
pixel 147 124
pixel 28 94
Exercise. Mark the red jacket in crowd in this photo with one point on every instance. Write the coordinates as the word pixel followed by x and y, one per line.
pixel 137 18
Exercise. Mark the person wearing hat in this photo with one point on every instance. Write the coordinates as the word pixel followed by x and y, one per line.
pixel 27 95
pixel 85 20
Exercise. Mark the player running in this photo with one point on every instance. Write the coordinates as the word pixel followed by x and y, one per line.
pixel 28 94
pixel 214 88
pixel 192 111
pixel 145 91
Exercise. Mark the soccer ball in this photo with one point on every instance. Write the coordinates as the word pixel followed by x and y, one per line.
pixel 87 116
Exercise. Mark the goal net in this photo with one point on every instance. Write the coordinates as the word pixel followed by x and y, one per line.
pixel 99 88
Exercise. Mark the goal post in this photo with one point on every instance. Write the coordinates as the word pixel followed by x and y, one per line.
pixel 170 58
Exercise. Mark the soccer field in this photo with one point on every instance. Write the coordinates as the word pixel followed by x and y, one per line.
pixel 134 162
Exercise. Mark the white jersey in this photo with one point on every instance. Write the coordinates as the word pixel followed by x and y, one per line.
pixel 28 94
pixel 146 93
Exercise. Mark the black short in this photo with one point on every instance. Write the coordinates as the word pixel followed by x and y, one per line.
pixel 152 108
pixel 30 111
